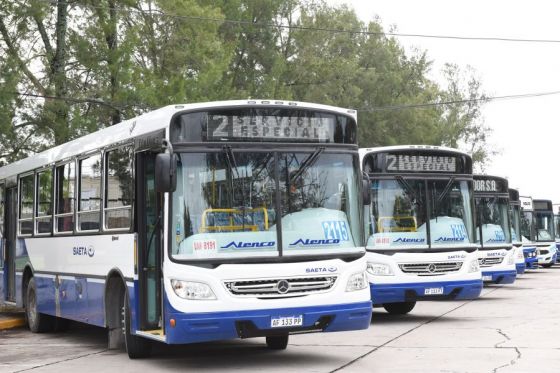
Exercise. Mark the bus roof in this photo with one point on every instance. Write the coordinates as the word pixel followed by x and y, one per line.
pixel 146 123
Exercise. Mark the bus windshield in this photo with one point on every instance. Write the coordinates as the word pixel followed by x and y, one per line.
pixel 451 212
pixel 515 217
pixel 228 204
pixel 557 226
pixel 494 224
pixel 399 214
pixel 527 226
pixel 545 225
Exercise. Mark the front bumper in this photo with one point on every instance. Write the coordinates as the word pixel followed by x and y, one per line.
pixel 407 292
pixel 211 326
pixel 532 263
pixel 547 259
pixel 520 268
pixel 500 277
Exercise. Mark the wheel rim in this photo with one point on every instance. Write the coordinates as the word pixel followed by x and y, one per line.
pixel 31 307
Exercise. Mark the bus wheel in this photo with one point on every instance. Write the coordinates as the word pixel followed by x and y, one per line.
pixel 277 342
pixel 399 308
pixel 136 347
pixel 38 322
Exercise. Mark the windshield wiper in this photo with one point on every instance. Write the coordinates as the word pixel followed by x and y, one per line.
pixel 445 190
pixel 232 165
pixel 230 159
pixel 443 194
pixel 307 162
pixel 409 188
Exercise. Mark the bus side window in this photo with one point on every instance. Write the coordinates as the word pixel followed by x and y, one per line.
pixel 89 204
pixel 26 198
pixel 119 188
pixel 65 197
pixel 43 209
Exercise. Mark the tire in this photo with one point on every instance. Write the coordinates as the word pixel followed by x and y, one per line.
pixel 277 342
pixel 548 265
pixel 136 347
pixel 399 308
pixel 38 322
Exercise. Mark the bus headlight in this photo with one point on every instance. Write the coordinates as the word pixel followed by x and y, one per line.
pixel 192 290
pixel 511 259
pixel 379 269
pixel 473 266
pixel 520 254
pixel 357 281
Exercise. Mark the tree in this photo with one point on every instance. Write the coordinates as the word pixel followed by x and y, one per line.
pixel 98 62
pixel 462 124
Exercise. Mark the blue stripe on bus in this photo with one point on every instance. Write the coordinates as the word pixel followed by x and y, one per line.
pixel 520 268
pixel 532 263
pixel 501 277
pixel 394 293
pixel 2 280
pixel 87 305
pixel 19 295
pixel 212 326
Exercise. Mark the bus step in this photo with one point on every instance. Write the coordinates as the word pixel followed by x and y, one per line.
pixel 156 334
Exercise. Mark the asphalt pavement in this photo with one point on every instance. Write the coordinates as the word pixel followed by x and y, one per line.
pixel 511 328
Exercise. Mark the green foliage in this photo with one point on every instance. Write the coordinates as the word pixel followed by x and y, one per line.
pixel 102 61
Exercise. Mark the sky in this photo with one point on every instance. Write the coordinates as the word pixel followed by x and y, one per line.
pixel 525 131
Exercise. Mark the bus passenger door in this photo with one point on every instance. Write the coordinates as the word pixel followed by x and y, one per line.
pixel 9 236
pixel 150 223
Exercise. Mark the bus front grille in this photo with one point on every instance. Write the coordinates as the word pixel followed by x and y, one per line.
pixel 430 269
pixel 280 287
pixel 487 262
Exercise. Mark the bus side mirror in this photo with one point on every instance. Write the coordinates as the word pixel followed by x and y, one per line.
pixel 366 196
pixel 166 173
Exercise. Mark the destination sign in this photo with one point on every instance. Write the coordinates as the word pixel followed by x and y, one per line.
pixel 545 205
pixel 490 185
pixel 513 195
pixel 421 163
pixel 270 127
pixel 526 203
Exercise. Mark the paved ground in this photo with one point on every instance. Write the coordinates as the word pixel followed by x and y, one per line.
pixel 512 328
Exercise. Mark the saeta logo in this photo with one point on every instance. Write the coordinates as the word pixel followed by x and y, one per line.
pixel 320 269
pixel 243 245
pixel 83 251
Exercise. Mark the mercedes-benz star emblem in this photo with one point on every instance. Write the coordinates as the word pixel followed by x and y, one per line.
pixel 283 286
pixel 432 268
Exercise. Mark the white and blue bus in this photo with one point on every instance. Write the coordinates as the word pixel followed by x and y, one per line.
pixel 544 232
pixel 192 223
pixel 557 230
pixel 525 258
pixel 528 231
pixel 420 226
pixel 496 255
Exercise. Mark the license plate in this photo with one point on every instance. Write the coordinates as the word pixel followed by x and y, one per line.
pixel 487 278
pixel 286 322
pixel 433 291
